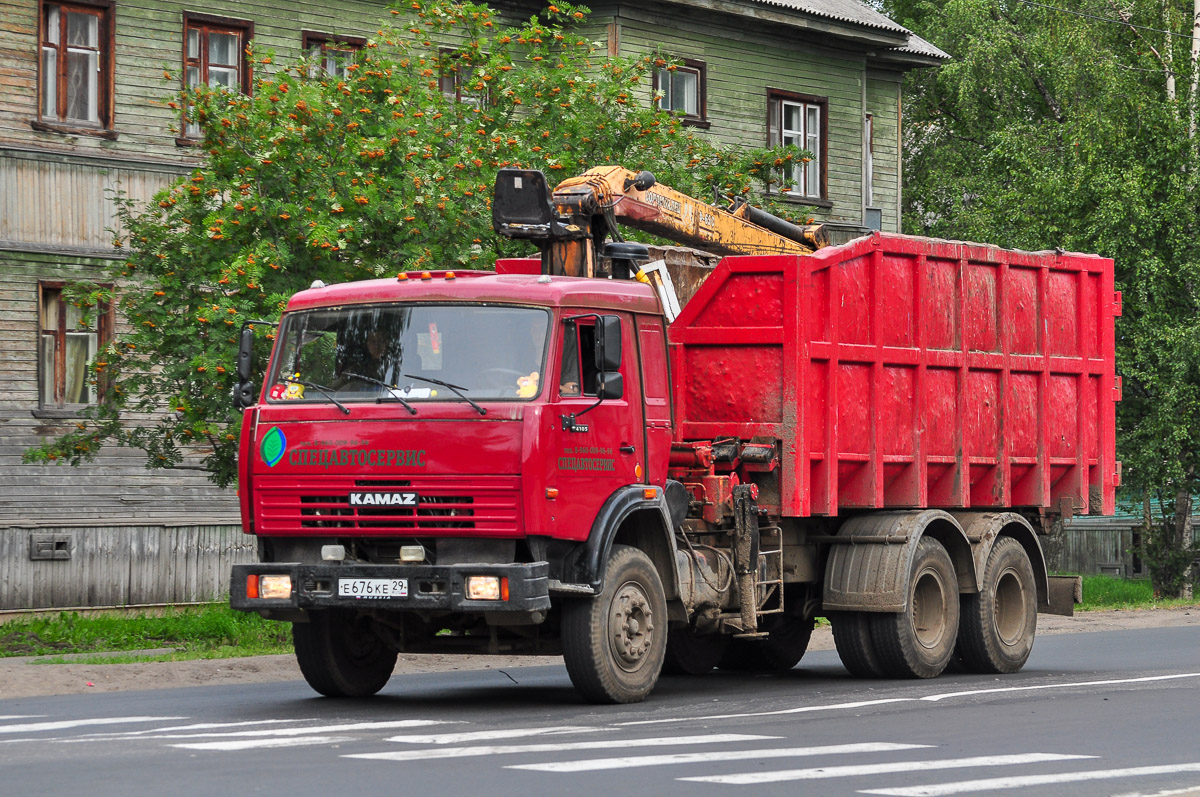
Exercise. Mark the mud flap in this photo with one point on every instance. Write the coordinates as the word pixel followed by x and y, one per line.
pixel 1064 593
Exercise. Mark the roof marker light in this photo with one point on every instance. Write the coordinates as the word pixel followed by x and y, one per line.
pixel 450 275
pixel 425 275
pixel 401 277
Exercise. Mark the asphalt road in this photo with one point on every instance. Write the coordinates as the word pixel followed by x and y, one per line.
pixel 1107 713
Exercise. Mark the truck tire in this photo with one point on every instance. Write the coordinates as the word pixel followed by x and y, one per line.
pixel 689 653
pixel 340 655
pixel 919 641
pixel 995 634
pixel 856 649
pixel 614 644
pixel 786 643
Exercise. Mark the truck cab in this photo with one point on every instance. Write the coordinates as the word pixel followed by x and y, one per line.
pixel 432 458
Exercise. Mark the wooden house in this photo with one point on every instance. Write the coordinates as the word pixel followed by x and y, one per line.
pixel 83 113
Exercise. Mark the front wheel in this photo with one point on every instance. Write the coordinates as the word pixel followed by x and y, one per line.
pixel 614 644
pixel 340 655
pixel 998 624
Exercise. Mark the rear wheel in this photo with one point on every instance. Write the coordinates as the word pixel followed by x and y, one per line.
pixel 919 641
pixel 998 624
pixel 786 642
pixel 689 653
pixel 856 649
pixel 340 655
pixel 614 644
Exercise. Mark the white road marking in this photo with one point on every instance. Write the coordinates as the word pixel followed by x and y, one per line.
pixel 200 726
pixel 713 755
pixel 1022 781
pixel 280 732
pixel 482 736
pixel 928 698
pixel 799 710
pixel 1111 682
pixel 258 744
pixel 58 725
pixel 20 716
pixel 1191 790
pixel 515 749
pixel 854 770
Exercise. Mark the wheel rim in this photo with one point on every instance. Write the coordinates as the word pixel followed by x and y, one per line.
pixel 929 609
pixel 631 626
pixel 1010 608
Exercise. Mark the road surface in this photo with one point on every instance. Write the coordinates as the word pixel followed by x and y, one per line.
pixel 1103 713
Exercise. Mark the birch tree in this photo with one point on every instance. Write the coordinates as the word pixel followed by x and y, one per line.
pixel 1074 125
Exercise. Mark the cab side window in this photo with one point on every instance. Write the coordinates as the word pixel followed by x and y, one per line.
pixel 579 376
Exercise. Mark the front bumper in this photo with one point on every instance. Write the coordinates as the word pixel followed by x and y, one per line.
pixel 436 588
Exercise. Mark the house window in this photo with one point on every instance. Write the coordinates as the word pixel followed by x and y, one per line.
pixel 215 56
pixel 455 80
pixel 67 342
pixel 76 66
pixel 330 54
pixel 795 120
pixel 682 90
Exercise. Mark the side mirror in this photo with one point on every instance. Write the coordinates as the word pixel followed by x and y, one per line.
pixel 612 385
pixel 245 356
pixel 608 344
pixel 243 395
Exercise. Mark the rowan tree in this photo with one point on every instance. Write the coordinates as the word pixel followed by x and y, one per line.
pixel 386 166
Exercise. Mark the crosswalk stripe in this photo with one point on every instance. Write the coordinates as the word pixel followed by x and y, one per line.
pixel 482 736
pixel 306 731
pixel 199 726
pixel 1023 781
pixel 880 769
pixel 515 749
pixel 58 725
pixel 711 755
pixel 258 744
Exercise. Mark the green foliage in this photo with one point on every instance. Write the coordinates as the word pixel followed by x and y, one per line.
pixel 320 176
pixel 1049 129
pixel 196 632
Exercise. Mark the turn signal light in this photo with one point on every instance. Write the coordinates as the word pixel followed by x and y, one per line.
pixel 551 493
pixel 268 587
pixel 650 493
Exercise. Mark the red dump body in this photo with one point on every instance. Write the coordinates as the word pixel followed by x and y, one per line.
pixel 908 372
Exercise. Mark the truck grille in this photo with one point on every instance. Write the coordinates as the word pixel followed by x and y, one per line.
pixel 485 506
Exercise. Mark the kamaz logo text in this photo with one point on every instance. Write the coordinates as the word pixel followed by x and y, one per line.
pixel 383 499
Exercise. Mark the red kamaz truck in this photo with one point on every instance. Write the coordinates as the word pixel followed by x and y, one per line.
pixel 526 461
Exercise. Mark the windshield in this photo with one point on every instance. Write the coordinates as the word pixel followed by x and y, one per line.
pixel 367 353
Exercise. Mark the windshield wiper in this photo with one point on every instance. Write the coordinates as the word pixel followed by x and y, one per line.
pixel 324 391
pixel 455 388
pixel 390 397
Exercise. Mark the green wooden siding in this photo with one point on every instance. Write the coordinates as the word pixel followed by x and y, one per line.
pixel 883 103
pixel 117 485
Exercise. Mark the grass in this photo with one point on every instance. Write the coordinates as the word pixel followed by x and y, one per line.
pixel 1107 592
pixel 201 632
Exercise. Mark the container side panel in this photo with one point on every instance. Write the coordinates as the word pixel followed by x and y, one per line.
pixel 939 409
pixel 818 423
pixel 816 320
pixel 1021 322
pixel 741 384
pixel 854 300
pixel 856 476
pixel 982 319
pixel 748 300
pixel 939 307
pixel 897 277
pixel 1063 310
pixel 897 439
pixel 1063 415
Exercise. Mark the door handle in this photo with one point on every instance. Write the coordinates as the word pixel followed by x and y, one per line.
pixel 628 449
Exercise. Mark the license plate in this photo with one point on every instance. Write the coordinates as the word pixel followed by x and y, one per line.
pixel 373 587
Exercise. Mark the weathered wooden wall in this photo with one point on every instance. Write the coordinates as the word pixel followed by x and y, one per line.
pixel 744 62
pixel 131 565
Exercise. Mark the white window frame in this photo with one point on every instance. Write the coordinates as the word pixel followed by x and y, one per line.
pixel 806 129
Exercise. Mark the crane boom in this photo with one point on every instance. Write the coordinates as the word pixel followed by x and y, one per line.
pixel 571 224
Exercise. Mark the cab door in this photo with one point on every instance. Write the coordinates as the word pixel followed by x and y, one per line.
pixel 598 443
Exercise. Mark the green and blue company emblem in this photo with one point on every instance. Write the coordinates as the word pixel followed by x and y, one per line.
pixel 273 445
